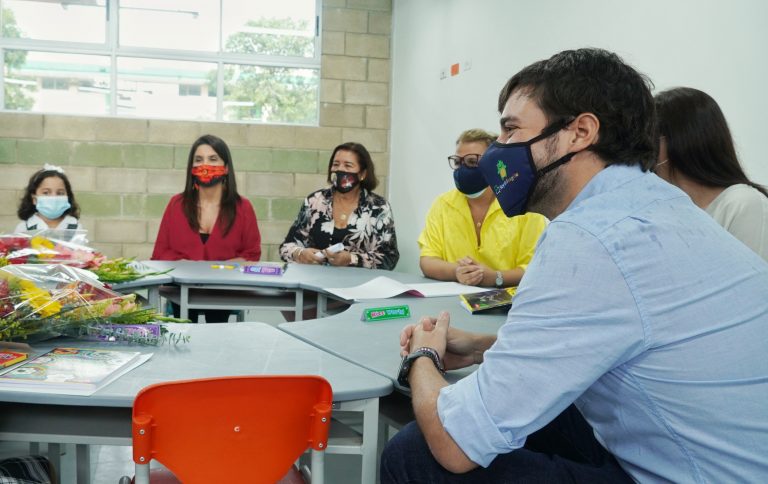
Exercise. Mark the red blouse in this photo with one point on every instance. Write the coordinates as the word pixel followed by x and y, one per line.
pixel 176 240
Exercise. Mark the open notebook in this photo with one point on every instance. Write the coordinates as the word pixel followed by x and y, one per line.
pixel 384 287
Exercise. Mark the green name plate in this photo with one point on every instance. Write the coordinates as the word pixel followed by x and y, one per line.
pixel 389 312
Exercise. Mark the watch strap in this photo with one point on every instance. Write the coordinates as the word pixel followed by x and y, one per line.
pixel 499 279
pixel 407 363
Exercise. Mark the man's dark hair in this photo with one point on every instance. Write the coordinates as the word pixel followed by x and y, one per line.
pixel 599 82
pixel 699 143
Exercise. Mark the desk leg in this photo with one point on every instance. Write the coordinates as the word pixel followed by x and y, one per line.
pixel 322 305
pixel 370 439
pixel 153 297
pixel 184 302
pixel 83 460
pixel 54 455
pixel 368 449
pixel 299 307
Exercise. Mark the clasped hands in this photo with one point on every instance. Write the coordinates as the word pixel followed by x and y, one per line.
pixel 471 272
pixel 455 347
pixel 309 255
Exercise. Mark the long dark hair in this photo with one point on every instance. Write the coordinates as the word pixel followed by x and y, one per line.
pixel 363 158
pixel 699 143
pixel 27 206
pixel 229 196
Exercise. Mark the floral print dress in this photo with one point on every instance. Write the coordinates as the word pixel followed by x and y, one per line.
pixel 370 230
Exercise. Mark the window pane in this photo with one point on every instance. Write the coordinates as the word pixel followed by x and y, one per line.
pixel 285 28
pixel 170 24
pixel 270 94
pixel 169 89
pixel 56 83
pixel 51 20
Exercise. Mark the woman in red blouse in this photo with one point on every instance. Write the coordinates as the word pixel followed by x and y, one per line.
pixel 209 220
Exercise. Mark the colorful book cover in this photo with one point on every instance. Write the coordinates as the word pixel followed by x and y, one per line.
pixel 8 358
pixel 483 301
pixel 265 268
pixel 69 368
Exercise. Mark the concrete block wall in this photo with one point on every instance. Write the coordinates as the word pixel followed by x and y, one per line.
pixel 124 171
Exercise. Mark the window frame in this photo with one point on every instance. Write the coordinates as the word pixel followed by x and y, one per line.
pixel 113 50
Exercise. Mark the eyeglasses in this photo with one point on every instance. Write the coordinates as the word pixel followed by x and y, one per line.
pixel 471 160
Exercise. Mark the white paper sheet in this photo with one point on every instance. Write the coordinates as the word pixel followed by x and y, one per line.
pixel 383 287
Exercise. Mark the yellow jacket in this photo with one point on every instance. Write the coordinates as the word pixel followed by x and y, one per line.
pixel 505 243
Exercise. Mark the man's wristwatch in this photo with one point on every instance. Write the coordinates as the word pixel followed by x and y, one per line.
pixel 405 365
pixel 499 279
pixel 353 259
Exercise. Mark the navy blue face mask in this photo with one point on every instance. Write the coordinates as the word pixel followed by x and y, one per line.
pixel 469 181
pixel 511 173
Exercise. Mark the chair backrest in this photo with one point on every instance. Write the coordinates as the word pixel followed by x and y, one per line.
pixel 230 429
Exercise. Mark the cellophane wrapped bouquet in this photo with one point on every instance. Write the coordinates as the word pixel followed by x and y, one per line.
pixel 68 247
pixel 41 301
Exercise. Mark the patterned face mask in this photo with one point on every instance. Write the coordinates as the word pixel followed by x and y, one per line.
pixel 344 181
pixel 209 175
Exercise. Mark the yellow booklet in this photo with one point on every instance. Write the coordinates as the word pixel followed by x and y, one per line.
pixel 483 301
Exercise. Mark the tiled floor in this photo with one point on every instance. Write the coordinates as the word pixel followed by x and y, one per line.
pixel 109 463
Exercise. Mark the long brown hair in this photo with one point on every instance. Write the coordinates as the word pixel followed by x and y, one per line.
pixel 229 196
pixel 699 143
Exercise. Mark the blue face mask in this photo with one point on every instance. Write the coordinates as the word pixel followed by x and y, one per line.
pixel 52 207
pixel 469 181
pixel 511 173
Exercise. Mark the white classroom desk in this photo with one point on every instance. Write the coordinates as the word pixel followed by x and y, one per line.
pixel 376 345
pixel 203 287
pixel 104 418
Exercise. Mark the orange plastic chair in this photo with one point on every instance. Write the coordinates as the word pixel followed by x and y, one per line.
pixel 231 429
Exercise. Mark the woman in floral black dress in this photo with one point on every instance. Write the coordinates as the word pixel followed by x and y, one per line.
pixel 348 212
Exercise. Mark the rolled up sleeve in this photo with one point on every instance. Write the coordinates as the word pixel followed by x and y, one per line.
pixel 465 417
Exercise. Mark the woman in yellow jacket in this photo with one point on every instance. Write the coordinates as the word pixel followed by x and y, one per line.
pixel 467 237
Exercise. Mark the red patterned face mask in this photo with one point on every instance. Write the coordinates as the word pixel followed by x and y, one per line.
pixel 209 175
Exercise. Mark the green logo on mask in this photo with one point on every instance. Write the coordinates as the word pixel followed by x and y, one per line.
pixel 502 169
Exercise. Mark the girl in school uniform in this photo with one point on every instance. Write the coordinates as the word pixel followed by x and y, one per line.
pixel 48 202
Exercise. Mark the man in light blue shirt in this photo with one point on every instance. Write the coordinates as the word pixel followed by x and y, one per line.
pixel 637 308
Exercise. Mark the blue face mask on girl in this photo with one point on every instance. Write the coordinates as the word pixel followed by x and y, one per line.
pixel 509 169
pixel 52 207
